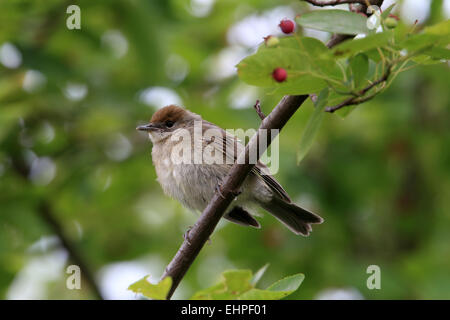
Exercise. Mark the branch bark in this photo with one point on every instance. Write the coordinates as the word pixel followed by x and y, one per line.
pixel 205 225
pixel 320 3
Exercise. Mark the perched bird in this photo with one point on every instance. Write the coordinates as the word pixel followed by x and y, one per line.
pixel 181 138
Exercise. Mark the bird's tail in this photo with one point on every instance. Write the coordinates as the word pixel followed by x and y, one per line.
pixel 297 219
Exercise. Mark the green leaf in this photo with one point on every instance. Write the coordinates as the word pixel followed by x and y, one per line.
pixel 387 11
pixel 237 281
pixel 375 56
pixel 424 59
pixel 157 291
pixel 232 284
pixel 237 285
pixel 434 36
pixel 441 29
pixel 359 66
pixel 336 21
pixel 438 53
pixel 258 275
pixel 313 125
pixel 276 291
pixel 421 41
pixel 308 63
pixel 372 41
pixel 288 284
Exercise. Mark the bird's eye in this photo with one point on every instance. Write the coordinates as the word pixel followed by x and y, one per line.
pixel 169 123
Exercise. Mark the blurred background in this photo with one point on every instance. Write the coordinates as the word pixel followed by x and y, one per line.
pixel 76 176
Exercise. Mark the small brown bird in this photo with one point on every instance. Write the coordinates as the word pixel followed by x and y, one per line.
pixel 173 129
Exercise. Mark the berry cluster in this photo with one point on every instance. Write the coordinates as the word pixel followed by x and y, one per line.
pixel 287 26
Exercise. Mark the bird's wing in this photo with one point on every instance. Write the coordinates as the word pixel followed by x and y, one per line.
pixel 229 146
pixel 261 171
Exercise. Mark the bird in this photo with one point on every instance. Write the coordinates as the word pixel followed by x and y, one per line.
pixel 183 148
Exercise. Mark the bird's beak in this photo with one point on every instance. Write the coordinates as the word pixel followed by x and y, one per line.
pixel 147 127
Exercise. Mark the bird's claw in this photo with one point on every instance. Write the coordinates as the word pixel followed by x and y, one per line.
pixel 186 235
pixel 234 193
pixel 219 191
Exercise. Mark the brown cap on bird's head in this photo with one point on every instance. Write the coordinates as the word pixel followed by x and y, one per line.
pixel 166 117
pixel 171 112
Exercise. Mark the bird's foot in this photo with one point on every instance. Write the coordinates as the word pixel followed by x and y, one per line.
pixel 186 235
pixel 219 191
pixel 234 193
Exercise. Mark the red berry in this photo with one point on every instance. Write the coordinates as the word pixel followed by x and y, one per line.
pixel 287 26
pixel 279 74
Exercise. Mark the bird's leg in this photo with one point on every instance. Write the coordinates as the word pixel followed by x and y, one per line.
pixel 218 187
pixel 234 193
pixel 186 235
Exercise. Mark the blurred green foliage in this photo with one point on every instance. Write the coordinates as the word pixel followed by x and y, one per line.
pixel 68 113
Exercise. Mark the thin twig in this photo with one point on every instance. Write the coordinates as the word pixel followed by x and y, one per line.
pixel 359 98
pixel 257 107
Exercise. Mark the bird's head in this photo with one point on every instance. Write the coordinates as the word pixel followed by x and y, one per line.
pixel 167 120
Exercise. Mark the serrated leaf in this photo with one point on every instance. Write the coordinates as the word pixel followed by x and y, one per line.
pixel 369 42
pixel 359 66
pixel 335 21
pixel 313 125
pixel 157 291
